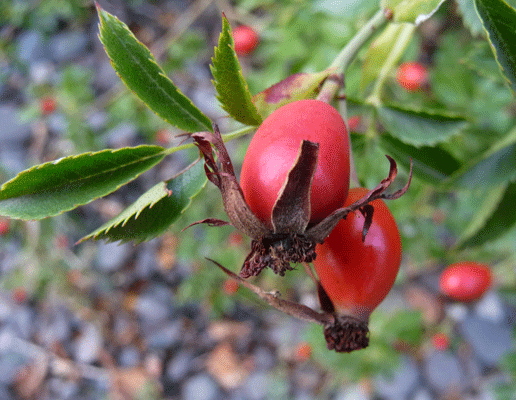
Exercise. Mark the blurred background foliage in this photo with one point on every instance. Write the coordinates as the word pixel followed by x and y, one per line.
pixel 296 36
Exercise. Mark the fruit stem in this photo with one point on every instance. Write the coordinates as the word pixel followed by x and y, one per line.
pixel 399 47
pixel 225 138
pixel 348 53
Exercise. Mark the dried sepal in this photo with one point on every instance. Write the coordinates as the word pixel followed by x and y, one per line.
pixel 291 211
pixel 320 232
pixel 224 178
pixel 208 221
pixel 273 299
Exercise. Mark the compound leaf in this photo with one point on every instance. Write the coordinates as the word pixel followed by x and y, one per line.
pixel 232 91
pixel 155 210
pixel 55 187
pixel 139 70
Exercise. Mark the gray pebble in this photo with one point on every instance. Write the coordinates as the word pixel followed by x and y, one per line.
pixel 179 366
pixel 491 308
pixel 402 383
pixel 165 336
pixel 31 46
pixel 200 387
pixel 490 341
pixel 129 357
pixel 68 45
pixel 88 345
pixel 111 256
pixel 443 372
pixel 257 386
pixel 13 131
pixel 353 392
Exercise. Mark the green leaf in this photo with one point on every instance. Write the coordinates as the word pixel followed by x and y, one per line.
pixel 232 91
pixel 470 17
pixel 296 87
pixel 430 164
pixel 414 11
pixel 499 20
pixel 155 210
pixel 54 187
pixel 385 52
pixel 420 127
pixel 497 165
pixel 139 70
pixel 496 216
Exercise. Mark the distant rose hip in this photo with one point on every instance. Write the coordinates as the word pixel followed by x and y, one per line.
pixel 246 39
pixel 47 105
pixel 440 341
pixel 465 281
pixel 412 76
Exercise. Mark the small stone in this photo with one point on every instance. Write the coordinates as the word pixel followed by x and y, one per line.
pixel 264 359
pixel 353 392
pixel 129 357
pixel 97 120
pixel 13 129
pixel 179 366
pixel 200 387
pixel 68 45
pixel 403 381
pixel 457 312
pixel 166 336
pixel 257 386
pixel 443 372
pixel 41 72
pixel 491 308
pixel 490 341
pixel 122 135
pixel 88 344
pixel 112 256
pixel 31 46
pixel 422 394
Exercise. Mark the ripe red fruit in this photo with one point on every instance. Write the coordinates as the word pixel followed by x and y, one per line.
pixel 465 281
pixel 354 122
pixel 47 105
pixel 440 341
pixel 246 39
pixel 356 275
pixel 230 286
pixel 303 352
pixel 411 76
pixel 275 147
pixel 4 226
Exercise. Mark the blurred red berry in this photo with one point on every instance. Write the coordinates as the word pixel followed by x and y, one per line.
pixel 412 76
pixel 246 39
pixel 465 281
pixel 47 105
pixel 5 225
pixel 163 137
pixel 230 286
pixel 353 122
pixel 440 341
pixel 19 295
pixel 303 351
pixel 235 239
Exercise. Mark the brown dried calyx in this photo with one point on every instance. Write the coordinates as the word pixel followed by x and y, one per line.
pixel 342 333
pixel 290 240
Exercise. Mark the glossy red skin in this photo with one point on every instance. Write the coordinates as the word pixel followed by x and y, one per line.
pixel 47 105
pixel 358 275
pixel 441 341
pixel 465 281
pixel 246 39
pixel 275 147
pixel 411 76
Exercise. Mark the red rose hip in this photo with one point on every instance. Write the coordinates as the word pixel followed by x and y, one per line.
pixel 412 76
pixel 465 281
pixel 246 39
pixel 357 275
pixel 275 147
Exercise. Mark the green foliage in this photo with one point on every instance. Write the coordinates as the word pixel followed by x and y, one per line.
pixel 155 210
pixel 54 187
pixel 499 20
pixel 233 93
pixel 138 69
pixel 414 11
pixel 420 127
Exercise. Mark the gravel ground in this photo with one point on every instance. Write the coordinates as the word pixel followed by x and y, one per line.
pixel 113 329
